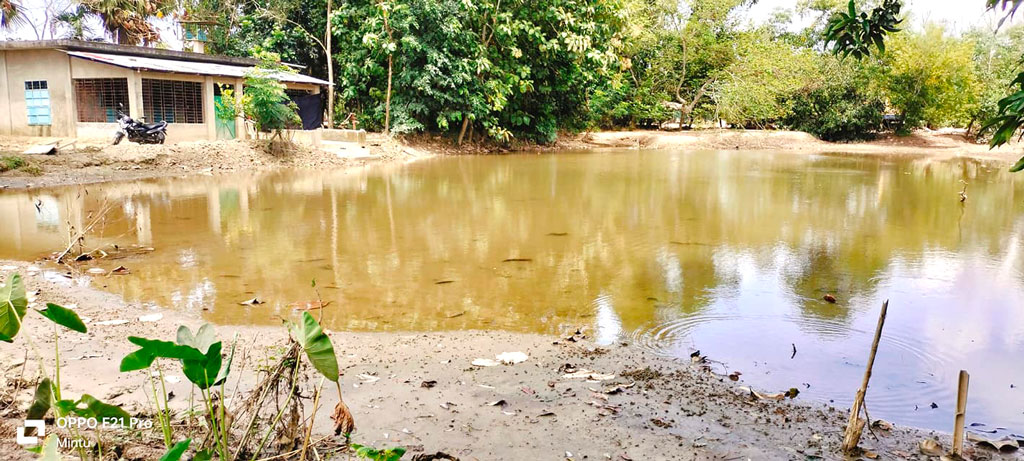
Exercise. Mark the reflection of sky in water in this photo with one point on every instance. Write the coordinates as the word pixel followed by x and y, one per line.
pixel 730 253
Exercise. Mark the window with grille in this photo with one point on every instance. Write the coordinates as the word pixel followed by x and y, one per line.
pixel 172 100
pixel 99 98
pixel 37 102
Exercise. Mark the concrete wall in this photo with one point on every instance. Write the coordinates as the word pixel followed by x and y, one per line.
pixel 50 65
pixel 176 132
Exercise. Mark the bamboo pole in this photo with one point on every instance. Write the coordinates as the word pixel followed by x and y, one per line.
pixel 855 426
pixel 961 415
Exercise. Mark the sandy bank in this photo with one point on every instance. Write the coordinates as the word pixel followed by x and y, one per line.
pixel 942 143
pixel 100 163
pixel 421 392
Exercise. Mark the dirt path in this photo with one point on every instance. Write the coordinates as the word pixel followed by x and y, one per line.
pixel 420 391
pixel 99 163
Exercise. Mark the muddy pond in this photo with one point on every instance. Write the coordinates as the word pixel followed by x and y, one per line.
pixel 729 253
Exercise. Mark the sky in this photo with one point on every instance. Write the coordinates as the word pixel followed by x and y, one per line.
pixel 958 15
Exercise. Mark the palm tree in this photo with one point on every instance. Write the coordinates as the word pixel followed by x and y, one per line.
pixel 127 20
pixel 9 14
pixel 74 20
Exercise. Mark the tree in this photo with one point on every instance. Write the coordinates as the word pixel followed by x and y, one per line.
pixel 755 87
pixel 929 77
pixel 127 20
pixel 853 34
pixel 264 101
pixel 10 14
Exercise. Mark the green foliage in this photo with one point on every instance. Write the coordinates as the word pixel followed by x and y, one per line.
pixel 756 89
pixel 513 72
pixel 264 101
pixel 226 107
pixel 42 401
pixel 929 78
pixel 11 162
pixel 387 454
pixel 836 110
pixel 64 317
pixel 50 451
pixel 13 305
pixel 854 34
pixel 316 344
pixel 176 452
pixel 151 349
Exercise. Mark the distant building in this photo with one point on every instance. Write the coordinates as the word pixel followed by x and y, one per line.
pixel 71 88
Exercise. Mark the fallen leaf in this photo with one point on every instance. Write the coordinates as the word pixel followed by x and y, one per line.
pixel 870 454
pixel 343 422
pixel 251 302
pixel 151 318
pixel 830 298
pixel 588 375
pixel 511 358
pixel 433 457
pixel 930 447
pixel 121 270
pixel 443 282
pixel 792 392
pixel 485 363
pixel 516 260
pixel 619 388
pixel 1005 444
pixel 457 314
pixel 367 378
pixel 735 376
pixel 497 403
pixel 428 384
pixel 882 424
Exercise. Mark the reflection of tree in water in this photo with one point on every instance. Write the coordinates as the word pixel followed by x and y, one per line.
pixel 630 226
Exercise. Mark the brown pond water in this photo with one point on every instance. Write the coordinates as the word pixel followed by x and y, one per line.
pixel 728 252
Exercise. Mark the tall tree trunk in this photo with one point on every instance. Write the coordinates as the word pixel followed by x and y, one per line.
pixel 330 69
pixel 387 101
pixel 462 132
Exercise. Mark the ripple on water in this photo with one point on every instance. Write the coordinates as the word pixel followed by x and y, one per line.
pixel 831 358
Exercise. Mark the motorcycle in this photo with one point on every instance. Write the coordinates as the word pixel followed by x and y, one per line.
pixel 137 132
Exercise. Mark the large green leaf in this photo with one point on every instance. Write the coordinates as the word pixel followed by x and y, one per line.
pixel 174 454
pixel 50 450
pixel 64 317
pixel 42 401
pixel 94 408
pixel 226 369
pixel 202 340
pixel 387 454
pixel 1017 166
pixel 13 304
pixel 317 345
pixel 204 371
pixel 151 349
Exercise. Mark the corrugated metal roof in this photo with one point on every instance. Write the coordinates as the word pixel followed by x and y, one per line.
pixel 186 67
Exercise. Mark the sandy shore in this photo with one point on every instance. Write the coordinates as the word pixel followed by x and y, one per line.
pixel 942 143
pixel 421 392
pixel 99 163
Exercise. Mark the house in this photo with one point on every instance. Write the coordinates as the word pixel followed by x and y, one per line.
pixel 72 88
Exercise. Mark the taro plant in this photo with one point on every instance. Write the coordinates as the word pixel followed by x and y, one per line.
pixel 385 454
pixel 13 308
pixel 201 363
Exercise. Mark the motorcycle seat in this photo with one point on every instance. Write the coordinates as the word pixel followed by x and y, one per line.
pixel 153 126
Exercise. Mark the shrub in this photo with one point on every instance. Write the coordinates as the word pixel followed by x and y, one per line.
pixel 836 112
pixel 11 162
